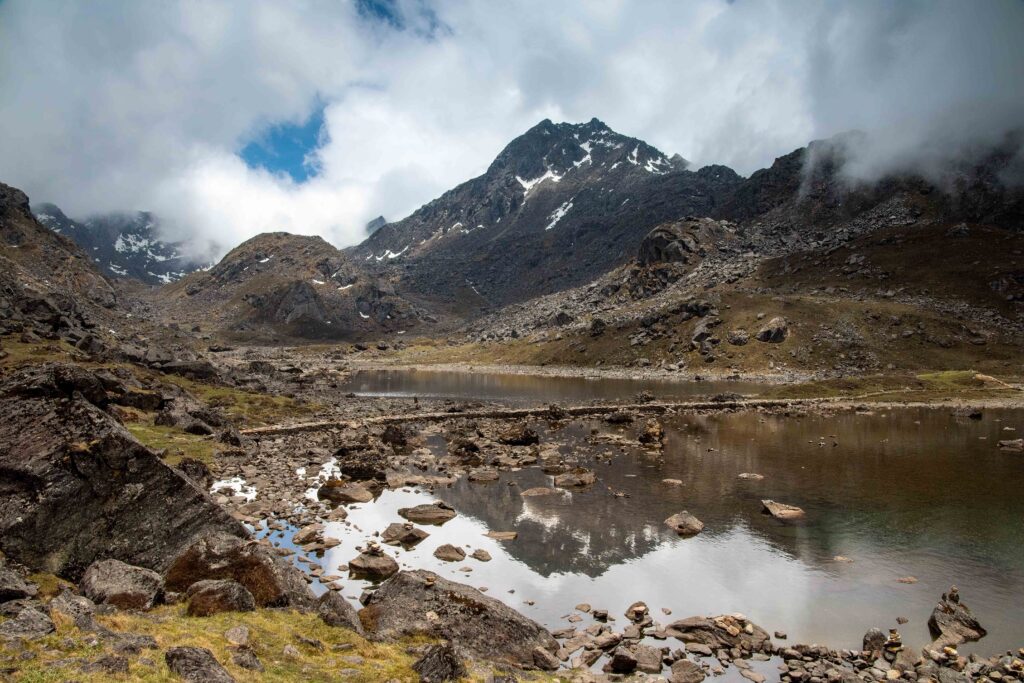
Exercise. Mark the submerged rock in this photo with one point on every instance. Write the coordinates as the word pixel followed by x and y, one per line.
pixel 781 510
pixel 422 603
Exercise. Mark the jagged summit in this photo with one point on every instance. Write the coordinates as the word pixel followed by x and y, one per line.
pixel 123 245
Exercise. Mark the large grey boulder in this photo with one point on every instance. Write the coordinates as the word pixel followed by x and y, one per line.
pixel 422 603
pixel 76 487
pixel 13 586
pixel 113 582
pixel 336 611
pixel 774 331
pixel 726 631
pixel 272 581
pixel 29 624
pixel 668 243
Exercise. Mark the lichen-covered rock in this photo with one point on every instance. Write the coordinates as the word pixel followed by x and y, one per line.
pixel 272 581
pixel 335 610
pixel 116 583
pixel 209 597
pixel 196 665
pixel 440 663
pixel 421 602
pixel 76 487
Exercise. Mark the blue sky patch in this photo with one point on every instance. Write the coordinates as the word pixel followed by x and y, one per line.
pixel 283 147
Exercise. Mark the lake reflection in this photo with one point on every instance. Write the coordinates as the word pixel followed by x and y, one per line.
pixel 907 493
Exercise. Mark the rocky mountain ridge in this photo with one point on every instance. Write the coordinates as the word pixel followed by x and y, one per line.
pixel 123 245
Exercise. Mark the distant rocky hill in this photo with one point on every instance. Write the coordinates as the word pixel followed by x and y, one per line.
pixel 560 205
pixel 293 285
pixel 123 245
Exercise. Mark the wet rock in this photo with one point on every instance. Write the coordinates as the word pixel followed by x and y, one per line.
pixel 439 663
pixel 481 555
pixel 781 510
pixel 399 533
pixel 308 534
pixel 77 487
pixel 1012 445
pixel 618 418
pixel 112 582
pixel 272 581
pixel 726 631
pixel 579 476
pixel 29 624
pixel 686 671
pixel 685 524
pixel 450 553
pixel 653 434
pixel 752 476
pixel 432 513
pixel 196 665
pixel 340 491
pixel 421 602
pixel 373 563
pixel 952 623
pixel 483 475
pixel 209 597
pixel 538 491
pixel 502 535
pixel 336 611
pixel 637 612
pixel 518 435
pixel 774 331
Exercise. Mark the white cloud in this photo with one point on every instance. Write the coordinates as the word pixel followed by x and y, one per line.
pixel 143 105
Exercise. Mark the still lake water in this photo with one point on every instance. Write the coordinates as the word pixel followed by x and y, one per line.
pixel 512 388
pixel 907 493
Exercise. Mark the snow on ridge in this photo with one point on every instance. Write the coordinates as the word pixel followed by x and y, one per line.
pixel 530 184
pixel 388 254
pixel 559 213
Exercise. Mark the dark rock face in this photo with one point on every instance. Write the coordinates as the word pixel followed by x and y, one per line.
pixel 219 595
pixel 952 623
pixel 482 626
pixel 196 665
pixel 13 586
pixel 76 487
pixel 438 664
pixel 113 582
pixel 272 581
pixel 336 611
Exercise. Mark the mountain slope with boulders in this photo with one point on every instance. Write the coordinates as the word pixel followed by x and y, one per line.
pixel 123 245
pixel 292 285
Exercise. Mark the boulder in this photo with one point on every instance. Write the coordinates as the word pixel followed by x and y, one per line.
pixel 405 534
pixel 272 581
pixel 727 631
pixel 197 471
pixel 363 459
pixel 686 671
pixel 196 665
pixel 621 661
pixel 668 243
pixel 373 564
pixel 518 435
pixel 873 640
pixel 75 609
pixel 112 582
pixel 648 659
pixel 781 510
pixel 951 622
pixel 653 434
pixel 29 624
pixel 76 487
pixel 440 663
pixel 336 611
pixel 214 596
pixel 339 491
pixel 422 603
pixel 450 553
pixel 13 586
pixel 738 337
pixel 685 524
pixel 773 331
pixel 432 513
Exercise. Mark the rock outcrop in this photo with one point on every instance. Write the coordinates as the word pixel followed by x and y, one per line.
pixel 76 487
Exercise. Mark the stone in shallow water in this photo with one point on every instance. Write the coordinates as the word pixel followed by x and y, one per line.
pixel 374 565
pixel 502 535
pixel 450 553
pixel 399 533
pixel 432 513
pixel 782 510
pixel 338 491
pixel 685 524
